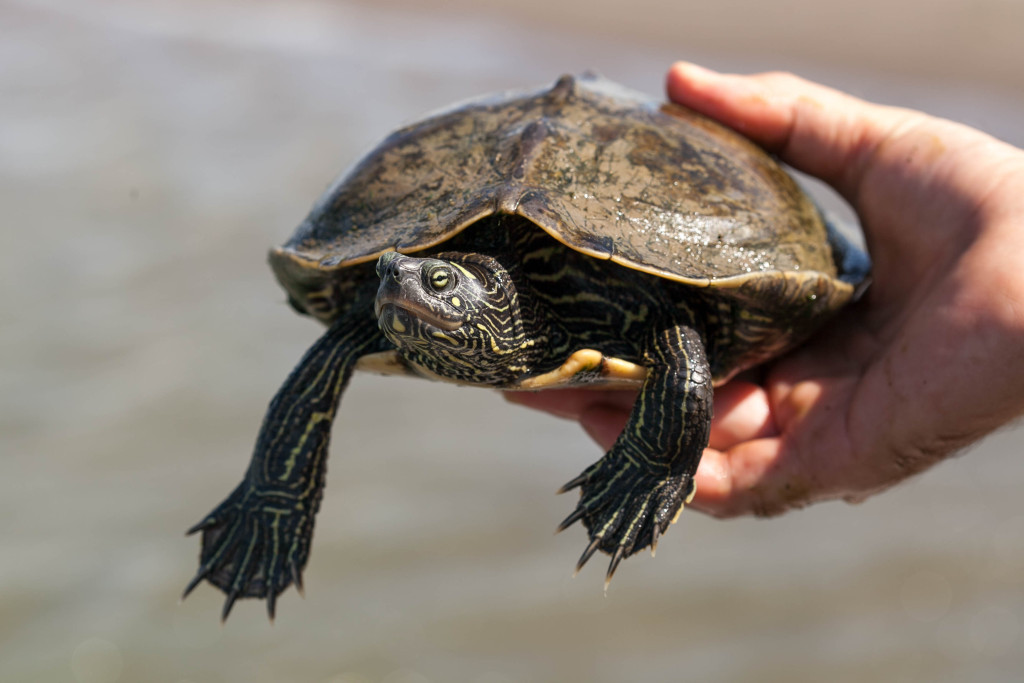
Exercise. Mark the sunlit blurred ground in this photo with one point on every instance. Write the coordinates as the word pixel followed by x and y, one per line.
pixel 149 156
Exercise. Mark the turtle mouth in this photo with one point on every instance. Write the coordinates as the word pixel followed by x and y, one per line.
pixel 386 302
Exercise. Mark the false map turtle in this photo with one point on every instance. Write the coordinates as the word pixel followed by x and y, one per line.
pixel 581 235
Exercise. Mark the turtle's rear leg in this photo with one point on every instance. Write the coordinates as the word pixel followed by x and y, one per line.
pixel 631 496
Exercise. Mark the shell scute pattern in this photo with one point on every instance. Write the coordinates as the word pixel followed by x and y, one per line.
pixel 600 168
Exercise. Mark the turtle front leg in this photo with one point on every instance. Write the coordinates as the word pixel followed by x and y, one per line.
pixel 257 541
pixel 630 496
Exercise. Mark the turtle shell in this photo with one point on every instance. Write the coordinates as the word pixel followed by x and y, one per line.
pixel 607 172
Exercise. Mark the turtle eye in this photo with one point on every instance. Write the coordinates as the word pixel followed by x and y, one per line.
pixel 439 278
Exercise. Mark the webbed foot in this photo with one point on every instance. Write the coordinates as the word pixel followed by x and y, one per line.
pixel 255 544
pixel 625 507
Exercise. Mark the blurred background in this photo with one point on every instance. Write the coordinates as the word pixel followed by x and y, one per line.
pixel 151 153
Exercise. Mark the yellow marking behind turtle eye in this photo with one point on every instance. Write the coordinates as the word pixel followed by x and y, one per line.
pixel 456 302
pixel 464 271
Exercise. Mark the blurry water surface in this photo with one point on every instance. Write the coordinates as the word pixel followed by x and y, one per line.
pixel 151 153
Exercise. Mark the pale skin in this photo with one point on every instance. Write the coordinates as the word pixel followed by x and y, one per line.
pixel 928 362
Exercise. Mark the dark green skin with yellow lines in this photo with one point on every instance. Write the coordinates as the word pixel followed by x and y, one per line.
pixel 580 236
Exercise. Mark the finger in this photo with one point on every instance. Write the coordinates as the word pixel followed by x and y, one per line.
pixel 811 459
pixel 816 129
pixel 713 480
pixel 570 404
pixel 738 474
pixel 603 423
pixel 743 406
pixel 741 481
pixel 746 479
pixel 756 477
pixel 742 413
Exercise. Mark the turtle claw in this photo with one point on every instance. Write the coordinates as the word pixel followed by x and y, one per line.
pixel 206 523
pixel 297 580
pixel 575 516
pixel 253 546
pixel 271 604
pixel 655 535
pixel 574 483
pixel 196 580
pixel 587 554
pixel 625 508
pixel 228 604
pixel 617 556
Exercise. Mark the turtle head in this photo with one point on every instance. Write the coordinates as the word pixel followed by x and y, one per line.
pixel 455 314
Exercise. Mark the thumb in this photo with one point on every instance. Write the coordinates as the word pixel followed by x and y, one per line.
pixel 920 185
pixel 818 130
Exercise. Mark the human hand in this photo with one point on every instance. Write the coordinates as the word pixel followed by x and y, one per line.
pixel 929 361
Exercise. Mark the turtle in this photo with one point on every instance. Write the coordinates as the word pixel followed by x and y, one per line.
pixel 580 235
